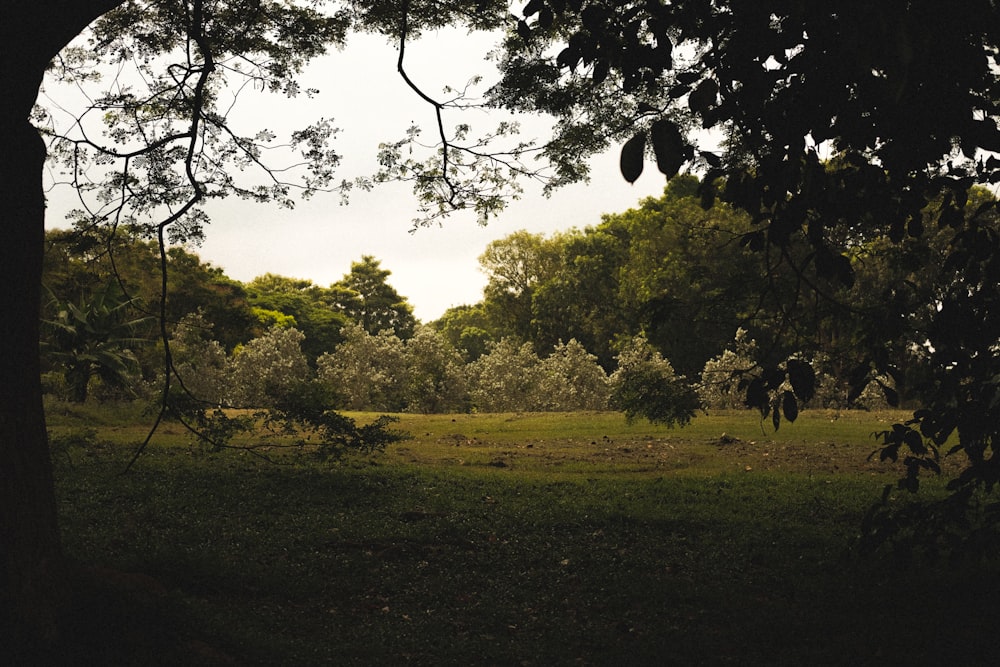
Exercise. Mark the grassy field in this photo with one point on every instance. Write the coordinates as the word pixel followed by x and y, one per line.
pixel 558 539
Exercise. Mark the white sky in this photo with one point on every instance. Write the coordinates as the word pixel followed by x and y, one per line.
pixel 435 267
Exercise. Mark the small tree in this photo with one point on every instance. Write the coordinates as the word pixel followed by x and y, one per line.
pixel 435 374
pixel 720 379
pixel 507 379
pixel 366 371
pixel 199 361
pixel 645 385
pixel 572 379
pixel 95 338
pixel 267 368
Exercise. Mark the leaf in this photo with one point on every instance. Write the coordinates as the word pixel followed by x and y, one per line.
pixel 789 406
pixel 523 30
pixel 533 7
pixel 668 146
pixel 703 97
pixel 891 395
pixel 545 18
pixel 802 377
pixel 713 160
pixel 756 396
pixel 776 418
pixel 632 157
pixel 601 70
pixel 915 442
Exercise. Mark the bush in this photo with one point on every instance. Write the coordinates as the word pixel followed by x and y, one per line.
pixel 645 385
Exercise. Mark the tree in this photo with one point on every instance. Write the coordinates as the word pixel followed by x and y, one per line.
pixel 785 85
pixel 435 374
pixel 645 385
pixel 150 152
pixel 95 339
pixel 571 379
pixel 514 267
pixel 264 371
pixel 365 296
pixel 366 371
pixel 783 82
pixel 200 361
pixel 506 379
pixel 313 309
pixel 467 329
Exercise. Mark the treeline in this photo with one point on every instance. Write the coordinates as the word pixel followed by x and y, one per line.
pixel 654 311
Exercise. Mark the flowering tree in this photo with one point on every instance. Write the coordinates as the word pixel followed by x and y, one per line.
pixel 267 368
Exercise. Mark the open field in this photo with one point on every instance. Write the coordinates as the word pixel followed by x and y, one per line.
pixel 559 539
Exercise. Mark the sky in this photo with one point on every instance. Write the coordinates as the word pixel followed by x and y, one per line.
pixel 433 267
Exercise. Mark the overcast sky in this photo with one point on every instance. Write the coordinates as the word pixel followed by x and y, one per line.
pixel 434 267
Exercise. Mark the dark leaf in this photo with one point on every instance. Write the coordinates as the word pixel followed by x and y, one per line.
pixel 678 91
pixel 790 406
pixel 915 442
pixel 776 418
pixel 773 377
pixel 533 7
pixel 668 146
pixel 523 30
pixel 713 160
pixel 568 57
pixel 891 395
pixel 632 157
pixel 703 97
pixel 545 18
pixel 802 378
pixel 756 396
pixel 601 70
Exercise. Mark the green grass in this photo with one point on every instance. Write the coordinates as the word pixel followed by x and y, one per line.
pixel 527 540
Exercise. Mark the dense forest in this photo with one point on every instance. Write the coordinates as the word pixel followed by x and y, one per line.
pixel 658 310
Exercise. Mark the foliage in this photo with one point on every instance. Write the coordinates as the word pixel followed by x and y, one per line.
pixel 720 379
pixel 645 385
pixel 309 308
pixel 467 329
pixel 263 371
pixel 435 374
pixel 305 411
pixel 366 297
pixel 95 339
pixel 86 257
pixel 909 131
pixel 199 361
pixel 572 380
pixel 506 379
pixel 366 371
pixel 514 267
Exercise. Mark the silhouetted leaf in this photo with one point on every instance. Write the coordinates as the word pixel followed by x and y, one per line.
pixel 523 30
pixel 756 395
pixel 545 18
pixel 703 97
pixel 713 160
pixel 668 146
pixel 802 377
pixel 533 7
pixel 632 157
pixel 915 442
pixel 789 406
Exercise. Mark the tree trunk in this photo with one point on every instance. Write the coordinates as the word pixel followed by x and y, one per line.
pixel 31 33
pixel 29 536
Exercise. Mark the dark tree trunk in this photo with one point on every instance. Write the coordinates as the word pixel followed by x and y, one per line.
pixel 29 537
pixel 31 33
